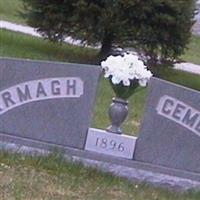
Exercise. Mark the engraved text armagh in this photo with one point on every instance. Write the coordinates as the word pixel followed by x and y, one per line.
pixel 36 90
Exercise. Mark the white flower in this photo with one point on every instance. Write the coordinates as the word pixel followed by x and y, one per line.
pixel 143 82
pixel 125 69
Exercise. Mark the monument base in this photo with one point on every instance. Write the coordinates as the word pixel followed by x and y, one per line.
pixel 126 168
pixel 107 143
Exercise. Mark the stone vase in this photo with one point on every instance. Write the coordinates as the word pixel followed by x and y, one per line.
pixel 118 112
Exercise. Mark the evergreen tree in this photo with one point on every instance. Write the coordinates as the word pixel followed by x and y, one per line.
pixel 155 27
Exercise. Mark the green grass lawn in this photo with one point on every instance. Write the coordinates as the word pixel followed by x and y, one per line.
pixel 22 46
pixel 10 11
pixel 192 54
pixel 52 178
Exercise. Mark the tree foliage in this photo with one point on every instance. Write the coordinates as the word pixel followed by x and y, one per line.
pixel 155 27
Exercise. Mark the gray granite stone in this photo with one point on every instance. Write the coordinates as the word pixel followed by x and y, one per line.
pixel 46 101
pixel 170 131
pixel 13 142
pixel 108 143
pixel 136 172
pixel 46 106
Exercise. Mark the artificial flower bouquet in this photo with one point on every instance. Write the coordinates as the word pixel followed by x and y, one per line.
pixel 125 73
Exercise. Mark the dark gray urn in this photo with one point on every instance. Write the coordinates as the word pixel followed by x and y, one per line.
pixel 118 112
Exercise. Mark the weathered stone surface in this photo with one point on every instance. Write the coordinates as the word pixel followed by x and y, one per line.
pixel 47 105
pixel 129 169
pixel 170 131
pixel 104 142
pixel 47 101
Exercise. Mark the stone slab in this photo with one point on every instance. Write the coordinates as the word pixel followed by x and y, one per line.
pixel 47 101
pixel 170 131
pixel 17 142
pixel 103 142
pixel 129 169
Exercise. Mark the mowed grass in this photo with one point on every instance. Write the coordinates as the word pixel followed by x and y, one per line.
pixel 192 54
pixel 52 178
pixel 22 46
pixel 10 11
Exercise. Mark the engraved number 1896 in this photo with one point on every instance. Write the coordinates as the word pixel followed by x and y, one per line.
pixel 109 144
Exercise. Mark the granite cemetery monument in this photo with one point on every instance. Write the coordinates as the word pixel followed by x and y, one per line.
pixel 47 105
pixel 170 133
